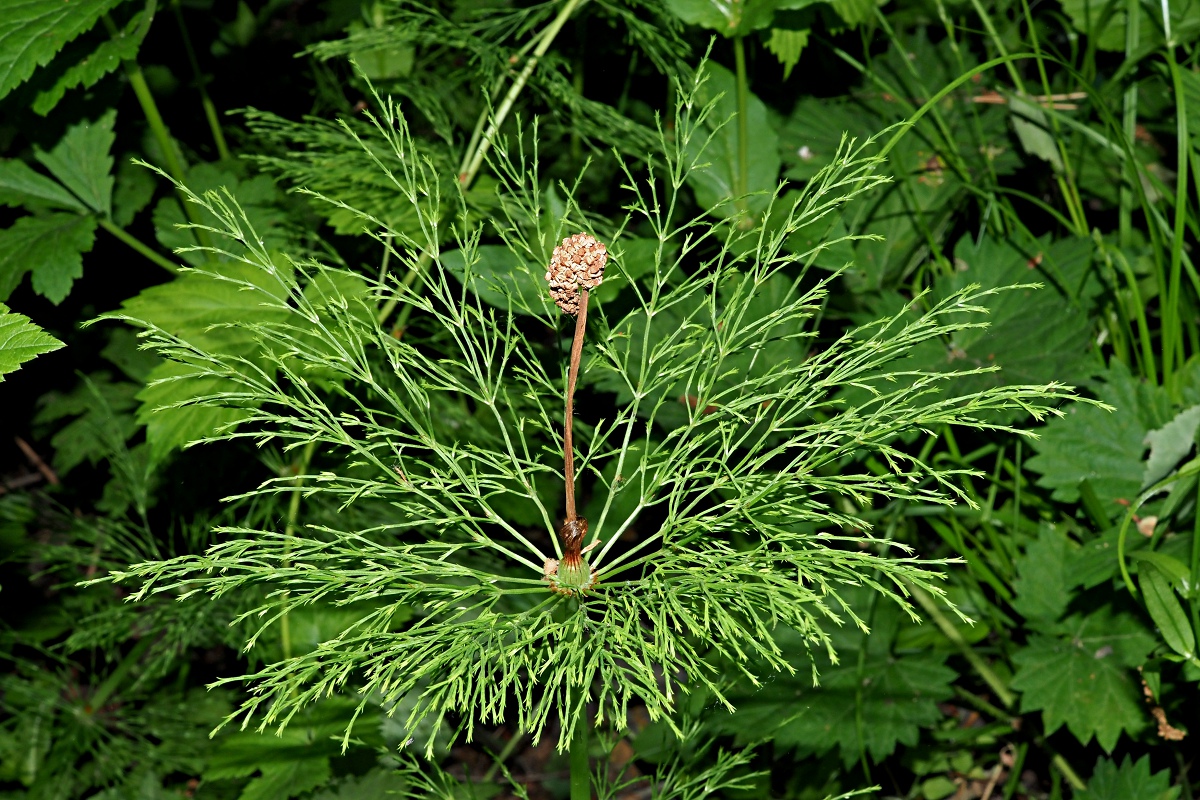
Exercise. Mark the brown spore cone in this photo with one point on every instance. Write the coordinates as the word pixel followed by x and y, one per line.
pixel 577 263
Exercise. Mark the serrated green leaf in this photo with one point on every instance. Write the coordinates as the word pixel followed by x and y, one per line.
pixel 202 308
pixel 1105 448
pixel 1033 335
pixel 33 31
pixel 82 161
pixel 104 59
pixel 854 12
pixel 1081 677
pixel 281 781
pixel 51 247
pixel 715 184
pixel 378 784
pixel 133 191
pixel 729 18
pixel 20 185
pixel 1166 611
pixel 1129 781
pixel 257 198
pixel 897 693
pixel 83 438
pixel 1042 586
pixel 21 341
pixel 501 279
pixel 787 45
pixel 1169 444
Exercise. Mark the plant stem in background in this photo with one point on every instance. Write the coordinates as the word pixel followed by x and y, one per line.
pixel 285 630
pixel 581 779
pixel 480 144
pixel 137 244
pixel 210 110
pixel 475 160
pixel 137 80
pixel 743 154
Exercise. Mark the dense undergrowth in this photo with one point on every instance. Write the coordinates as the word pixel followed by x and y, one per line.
pixel 885 428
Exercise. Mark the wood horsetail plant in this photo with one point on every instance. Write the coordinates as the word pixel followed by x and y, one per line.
pixel 719 451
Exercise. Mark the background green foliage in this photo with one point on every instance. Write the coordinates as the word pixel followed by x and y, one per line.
pixel 324 278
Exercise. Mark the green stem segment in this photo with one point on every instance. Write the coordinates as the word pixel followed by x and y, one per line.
pixel 285 629
pixel 1003 693
pixel 137 80
pixel 210 109
pixel 581 777
pixel 742 184
pixel 137 244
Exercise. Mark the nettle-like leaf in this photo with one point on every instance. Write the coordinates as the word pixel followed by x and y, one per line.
pixel 1128 780
pixel 33 31
pixel 21 341
pixel 870 701
pixel 1106 449
pixel 51 245
pixel 1081 675
pixel 739 511
pixel 106 58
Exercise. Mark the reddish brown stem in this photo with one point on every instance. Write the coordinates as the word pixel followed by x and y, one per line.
pixel 572 375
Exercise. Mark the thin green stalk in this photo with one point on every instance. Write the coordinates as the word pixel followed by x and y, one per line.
pixel 742 180
pixel 210 110
pixel 981 667
pixel 1195 601
pixel 138 245
pixel 1129 123
pixel 106 689
pixel 137 81
pixel 475 160
pixel 1172 343
pixel 998 43
pixel 285 629
pixel 581 776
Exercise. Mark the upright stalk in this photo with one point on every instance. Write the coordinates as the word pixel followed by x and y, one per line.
pixel 581 777
pixel 742 180
pixel 293 513
pixel 210 109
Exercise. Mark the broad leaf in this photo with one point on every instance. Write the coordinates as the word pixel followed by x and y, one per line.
pixel 787 45
pixel 282 781
pixel 21 341
pixel 896 694
pixel 1169 444
pixel 716 184
pixel 202 309
pixel 501 279
pixel 257 198
pixel 21 186
pixel 133 191
pixel 82 162
pixel 1131 780
pixel 1042 585
pixel 1105 448
pixel 51 247
pixel 104 59
pixel 88 422
pixel 1166 611
pixel 1033 335
pixel 32 31
pixel 1082 676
